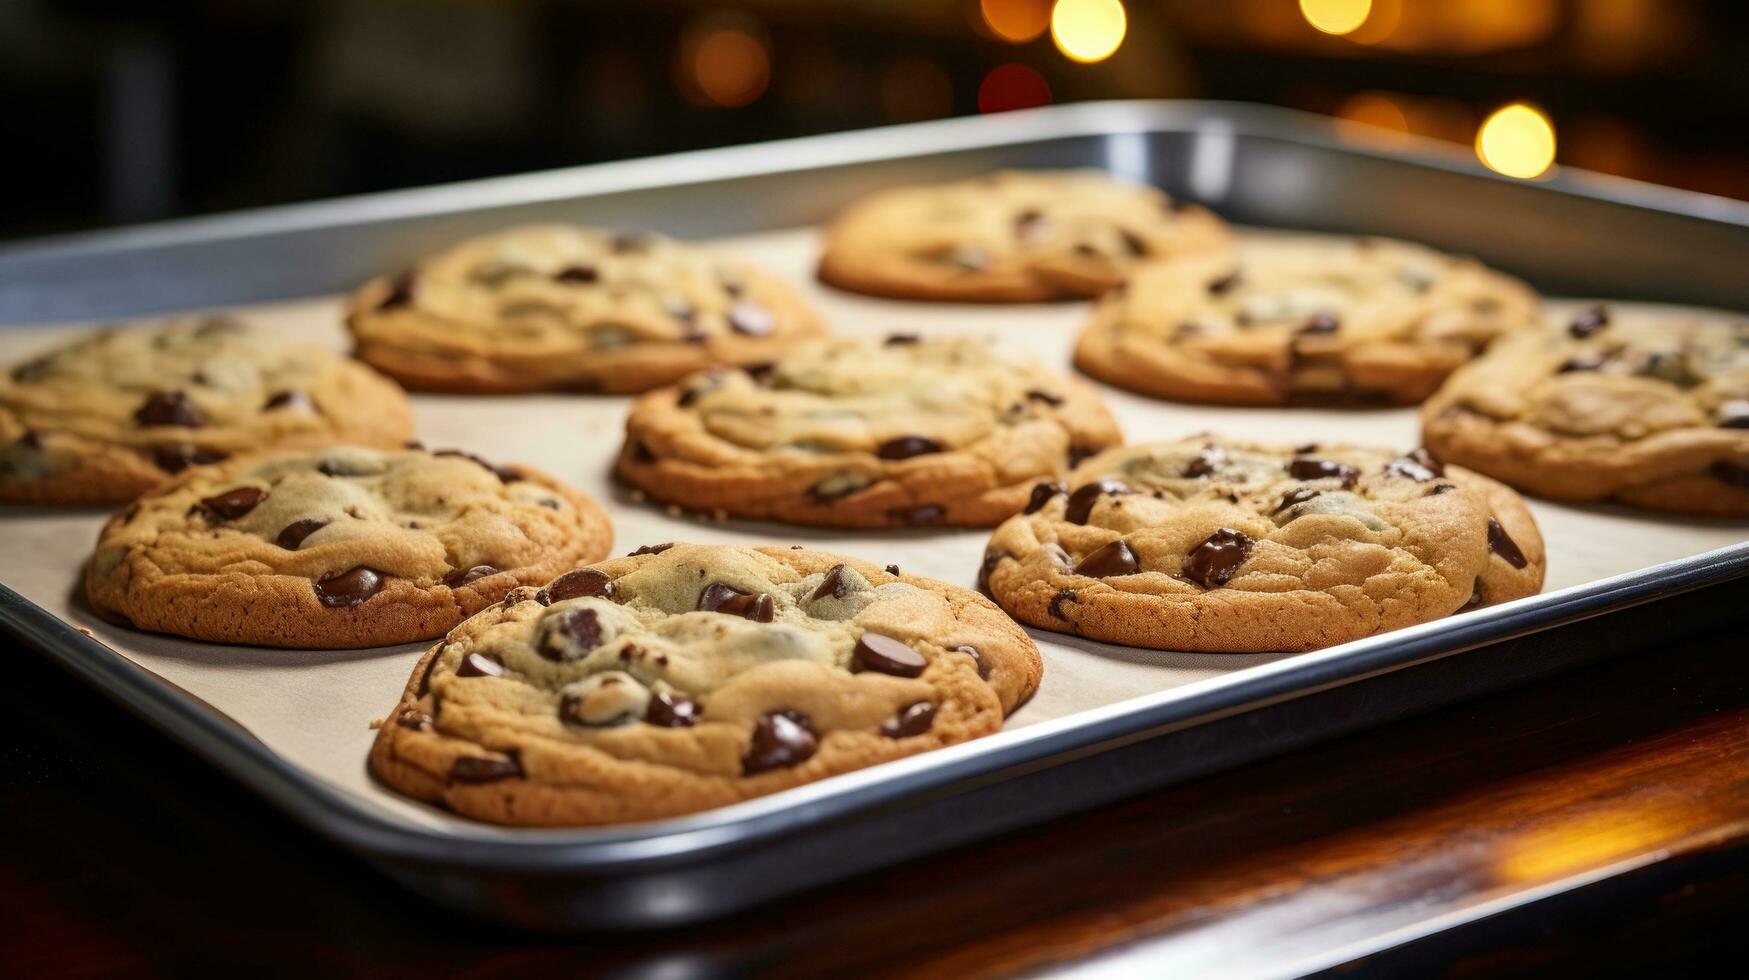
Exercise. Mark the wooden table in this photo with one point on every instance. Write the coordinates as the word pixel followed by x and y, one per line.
pixel 1593 822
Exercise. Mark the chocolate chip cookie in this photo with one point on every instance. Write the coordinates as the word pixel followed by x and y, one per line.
pixel 1294 320
pixel 1211 545
pixel 684 677
pixel 1649 409
pixel 848 433
pixel 339 548
pixel 1013 236
pixel 103 419
pixel 552 307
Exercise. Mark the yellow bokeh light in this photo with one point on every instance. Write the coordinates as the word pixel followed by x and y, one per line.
pixel 1088 30
pixel 1018 21
pixel 1517 140
pixel 1336 16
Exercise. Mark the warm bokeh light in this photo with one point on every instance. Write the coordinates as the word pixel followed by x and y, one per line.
pixel 915 89
pixel 1374 109
pixel 1018 21
pixel 1088 30
pixel 1517 141
pixel 730 67
pixel 1336 16
pixel 1012 86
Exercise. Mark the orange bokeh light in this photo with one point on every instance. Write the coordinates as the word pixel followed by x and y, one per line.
pixel 730 67
pixel 1018 21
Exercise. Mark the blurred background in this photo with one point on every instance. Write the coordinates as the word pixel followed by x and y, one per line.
pixel 119 112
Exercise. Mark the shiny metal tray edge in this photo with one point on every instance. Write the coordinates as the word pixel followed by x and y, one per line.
pixel 585 871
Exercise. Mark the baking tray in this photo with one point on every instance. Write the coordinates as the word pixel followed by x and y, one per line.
pixel 1109 721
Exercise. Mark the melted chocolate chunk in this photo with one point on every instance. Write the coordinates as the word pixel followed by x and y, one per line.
pixel 1439 488
pixel 1320 323
pixel 671 709
pixel 977 660
pixel 480 665
pixel 578 274
pixel 1042 495
pixel 504 474
pixel 1212 563
pixel 1205 462
pixel 292 400
pixel 349 588
pixel 1582 362
pixel 733 602
pixel 914 719
pixel 652 549
pixel 476 769
pixel 1503 545
pixel 1079 454
pixel 901 340
pixel 832 585
pixel 1736 474
pixel 1082 500
pixel 415 719
pixel 465 576
pixel 233 504
pixel 1418 465
pixel 923 514
pixel 1295 496
pixel 293 534
pixel 1475 597
pixel 991 560
pixel 1056 606
pixel 780 739
pixel 582 627
pixel 751 319
pixel 893 570
pixel 1225 284
pixel 169 408
pixel 582 582
pixel 1318 469
pixel 1133 243
pixel 1589 322
pixel 1734 415
pixel 905 447
pixel 885 655
pixel 1045 397
pixel 1115 558
pixel 400 291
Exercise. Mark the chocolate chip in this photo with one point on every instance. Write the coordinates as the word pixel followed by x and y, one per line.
pixel 1503 545
pixel 1030 225
pixel 476 769
pixel 1439 488
pixel 751 319
pixel 175 459
pixel 582 627
pixel 913 719
pixel 760 371
pixel 1736 474
pixel 1082 500
pixel 480 665
pixel 169 408
pixel 293 534
pixel 977 660
pixel 991 560
pixel 892 570
pixel 1475 600
pixel 465 576
pixel 30 440
pixel 885 655
pixel 923 514
pixel 579 274
pixel 291 399
pixel 1205 462
pixel 781 738
pixel 349 588
pixel 1319 323
pixel 832 585
pixel 1418 465
pixel 652 549
pixel 624 242
pixel 1297 496
pixel 1589 322
pixel 1212 563
pixel 1041 495
pixel 1734 415
pixel 641 452
pixel 1115 558
pixel 1318 469
pixel 901 340
pixel 582 582
pixel 1045 397
pixel 1582 362
pixel 1079 454
pixel 504 474
pixel 400 291
pixel 415 719
pixel 669 709
pixel 1056 606
pixel 233 504
pixel 733 602
pixel 905 447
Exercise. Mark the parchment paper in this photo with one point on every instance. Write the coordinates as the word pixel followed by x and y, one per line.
pixel 315 707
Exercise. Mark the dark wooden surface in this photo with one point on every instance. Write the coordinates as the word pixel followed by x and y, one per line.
pixel 1591 823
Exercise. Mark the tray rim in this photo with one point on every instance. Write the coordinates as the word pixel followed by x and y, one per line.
pixel 348 820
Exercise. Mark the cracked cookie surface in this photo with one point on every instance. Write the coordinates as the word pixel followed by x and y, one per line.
pixel 103 419
pixel 1211 545
pixel 850 433
pixel 1301 320
pixel 1011 236
pixel 685 677
pixel 551 307
pixel 339 548
pixel 1647 408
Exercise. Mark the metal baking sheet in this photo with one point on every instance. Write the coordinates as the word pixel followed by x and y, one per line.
pixel 1108 720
